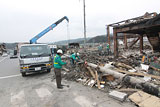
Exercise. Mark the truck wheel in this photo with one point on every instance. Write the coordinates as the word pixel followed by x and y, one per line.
pixel 23 74
pixel 48 70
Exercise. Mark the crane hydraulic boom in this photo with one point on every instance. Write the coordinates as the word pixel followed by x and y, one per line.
pixel 34 39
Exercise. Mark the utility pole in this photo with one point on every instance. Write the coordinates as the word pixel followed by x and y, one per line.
pixel 68 33
pixel 84 22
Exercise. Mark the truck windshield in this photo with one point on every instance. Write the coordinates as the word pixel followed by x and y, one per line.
pixel 34 51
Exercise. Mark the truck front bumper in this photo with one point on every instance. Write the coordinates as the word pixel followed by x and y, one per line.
pixel 35 68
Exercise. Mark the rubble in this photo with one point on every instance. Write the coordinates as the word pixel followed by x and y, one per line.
pixel 118 95
pixel 129 73
pixel 123 72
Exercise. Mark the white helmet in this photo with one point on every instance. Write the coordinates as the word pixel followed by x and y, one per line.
pixel 78 54
pixel 60 51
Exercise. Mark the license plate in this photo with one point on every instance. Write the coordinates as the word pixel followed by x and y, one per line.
pixel 37 68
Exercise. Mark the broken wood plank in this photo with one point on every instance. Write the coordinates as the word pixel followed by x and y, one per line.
pixel 91 72
pixel 140 83
pixel 138 74
pixel 97 79
pixel 134 42
pixel 86 82
pixel 123 65
pixel 156 69
pixel 144 99
pixel 67 70
pixel 123 56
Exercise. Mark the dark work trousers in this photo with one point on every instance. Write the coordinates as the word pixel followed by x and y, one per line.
pixel 58 76
pixel 72 61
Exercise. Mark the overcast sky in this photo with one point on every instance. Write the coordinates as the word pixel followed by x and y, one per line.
pixel 20 20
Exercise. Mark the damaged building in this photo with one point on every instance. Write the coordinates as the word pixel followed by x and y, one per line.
pixel 147 25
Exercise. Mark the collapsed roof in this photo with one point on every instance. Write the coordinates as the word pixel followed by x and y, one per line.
pixel 148 23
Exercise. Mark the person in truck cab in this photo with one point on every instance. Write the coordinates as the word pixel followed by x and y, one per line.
pixel 57 68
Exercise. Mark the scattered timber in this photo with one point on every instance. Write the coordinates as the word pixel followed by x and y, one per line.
pixel 129 80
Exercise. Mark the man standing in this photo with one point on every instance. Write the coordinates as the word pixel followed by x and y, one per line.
pixel 108 50
pixel 100 49
pixel 57 68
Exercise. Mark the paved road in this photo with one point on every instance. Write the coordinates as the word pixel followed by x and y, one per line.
pixel 37 90
pixel 8 67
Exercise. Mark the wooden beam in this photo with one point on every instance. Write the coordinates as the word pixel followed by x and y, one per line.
pixel 123 65
pixel 115 43
pixel 91 72
pixel 138 74
pixel 97 79
pixel 125 41
pixel 133 80
pixel 125 29
pixel 141 44
pixel 108 35
pixel 134 42
pixel 155 68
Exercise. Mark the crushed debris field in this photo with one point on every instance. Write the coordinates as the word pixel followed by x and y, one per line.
pixel 131 72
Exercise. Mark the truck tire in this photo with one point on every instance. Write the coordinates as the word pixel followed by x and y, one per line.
pixel 23 74
pixel 48 70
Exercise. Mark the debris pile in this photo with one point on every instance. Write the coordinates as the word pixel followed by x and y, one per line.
pixel 129 73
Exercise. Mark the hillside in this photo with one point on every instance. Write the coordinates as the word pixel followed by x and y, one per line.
pixel 96 39
pixel 79 40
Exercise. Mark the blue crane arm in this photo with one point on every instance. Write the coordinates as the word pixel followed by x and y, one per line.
pixel 34 39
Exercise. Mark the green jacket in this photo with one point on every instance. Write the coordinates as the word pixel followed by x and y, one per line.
pixel 58 62
pixel 107 46
pixel 74 57
pixel 99 48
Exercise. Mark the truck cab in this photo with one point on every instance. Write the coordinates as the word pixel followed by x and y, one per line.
pixel 35 58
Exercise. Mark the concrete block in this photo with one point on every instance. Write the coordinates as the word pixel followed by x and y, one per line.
pixel 118 95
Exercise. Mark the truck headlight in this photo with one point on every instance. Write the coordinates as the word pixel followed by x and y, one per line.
pixel 25 67
pixel 48 64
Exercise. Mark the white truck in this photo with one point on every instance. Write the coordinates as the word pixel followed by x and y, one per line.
pixel 35 58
